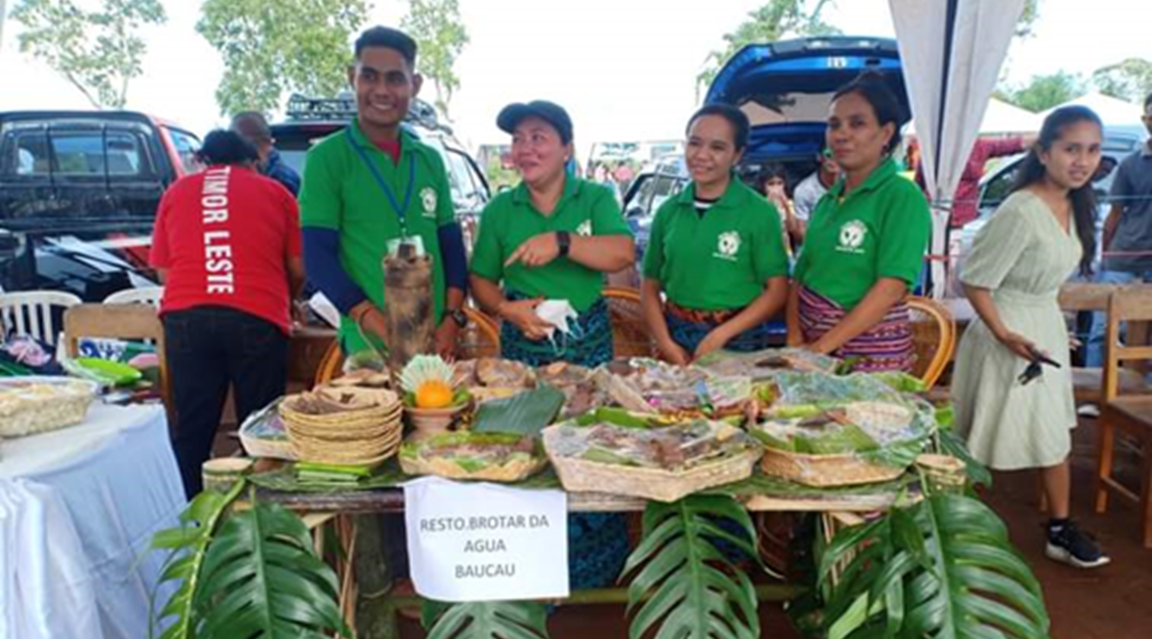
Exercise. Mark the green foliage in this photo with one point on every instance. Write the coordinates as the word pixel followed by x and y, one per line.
pixel 274 47
pixel 943 567
pixel 1028 18
pixel 1129 80
pixel 687 588
pixel 440 36
pixel 1043 92
pixel 774 21
pixel 99 52
pixel 485 620
pixel 253 574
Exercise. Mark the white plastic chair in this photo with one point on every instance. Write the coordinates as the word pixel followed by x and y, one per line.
pixel 145 295
pixel 30 313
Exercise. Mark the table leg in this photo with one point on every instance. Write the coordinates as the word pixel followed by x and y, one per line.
pixel 375 611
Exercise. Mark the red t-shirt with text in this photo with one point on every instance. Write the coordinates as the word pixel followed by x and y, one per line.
pixel 225 236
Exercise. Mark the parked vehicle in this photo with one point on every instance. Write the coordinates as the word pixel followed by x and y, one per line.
pixel 78 195
pixel 313 119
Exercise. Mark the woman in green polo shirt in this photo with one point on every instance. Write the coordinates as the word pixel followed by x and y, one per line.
pixel 551 238
pixel 716 250
pixel 864 246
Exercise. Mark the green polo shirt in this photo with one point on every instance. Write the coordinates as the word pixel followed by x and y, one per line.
pixel 722 259
pixel 880 230
pixel 510 219
pixel 339 192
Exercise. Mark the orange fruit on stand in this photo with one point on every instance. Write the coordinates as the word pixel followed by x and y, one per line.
pixel 434 394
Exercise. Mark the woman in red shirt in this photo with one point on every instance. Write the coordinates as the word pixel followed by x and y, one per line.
pixel 227 247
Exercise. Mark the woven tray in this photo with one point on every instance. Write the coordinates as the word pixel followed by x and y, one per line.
pixel 579 475
pixel 846 469
pixel 508 472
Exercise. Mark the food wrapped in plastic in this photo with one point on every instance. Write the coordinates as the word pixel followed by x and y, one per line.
pixel 263 434
pixel 31 405
pixel 844 430
pixel 498 457
pixel 581 391
pixel 766 364
pixel 663 463
pixel 685 391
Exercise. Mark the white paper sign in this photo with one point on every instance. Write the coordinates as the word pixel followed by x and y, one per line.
pixel 483 542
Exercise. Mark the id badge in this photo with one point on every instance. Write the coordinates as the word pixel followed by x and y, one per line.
pixel 414 241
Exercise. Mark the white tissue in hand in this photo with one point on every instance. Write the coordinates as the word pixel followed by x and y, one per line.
pixel 557 313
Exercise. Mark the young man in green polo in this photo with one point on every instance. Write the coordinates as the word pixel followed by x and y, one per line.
pixel 374 186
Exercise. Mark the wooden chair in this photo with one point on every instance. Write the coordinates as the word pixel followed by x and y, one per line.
pixel 150 295
pixel 1131 414
pixel 629 332
pixel 120 321
pixel 1088 383
pixel 933 338
pixel 33 313
pixel 480 338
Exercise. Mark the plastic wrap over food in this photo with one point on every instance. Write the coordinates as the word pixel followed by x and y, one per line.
pixel 768 363
pixel 263 434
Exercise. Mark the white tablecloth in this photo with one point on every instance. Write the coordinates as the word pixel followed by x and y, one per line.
pixel 78 508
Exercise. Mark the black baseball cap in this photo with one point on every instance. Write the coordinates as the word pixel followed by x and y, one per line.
pixel 552 113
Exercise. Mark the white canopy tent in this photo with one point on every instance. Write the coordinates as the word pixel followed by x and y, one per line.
pixel 951 51
pixel 1118 115
pixel 1001 117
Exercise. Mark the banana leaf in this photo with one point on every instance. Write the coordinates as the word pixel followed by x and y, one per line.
pixel 485 620
pixel 189 546
pixel 261 579
pixel 683 586
pixel 526 413
pixel 943 567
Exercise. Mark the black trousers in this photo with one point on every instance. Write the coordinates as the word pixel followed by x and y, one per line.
pixel 210 348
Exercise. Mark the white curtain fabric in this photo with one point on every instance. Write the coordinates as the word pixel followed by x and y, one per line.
pixel 78 508
pixel 956 96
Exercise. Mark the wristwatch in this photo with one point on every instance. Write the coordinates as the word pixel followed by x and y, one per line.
pixel 459 317
pixel 564 240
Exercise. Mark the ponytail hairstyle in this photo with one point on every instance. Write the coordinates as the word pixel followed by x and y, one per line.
pixel 1084 198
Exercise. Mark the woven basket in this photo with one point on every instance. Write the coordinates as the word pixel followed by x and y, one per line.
pixel 822 471
pixel 365 436
pixel 41 404
pixel 579 475
pixel 273 448
pixel 943 473
pixel 509 472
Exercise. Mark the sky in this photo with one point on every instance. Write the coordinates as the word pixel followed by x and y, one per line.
pixel 624 69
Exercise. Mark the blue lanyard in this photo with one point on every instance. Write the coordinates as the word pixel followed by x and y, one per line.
pixel 401 210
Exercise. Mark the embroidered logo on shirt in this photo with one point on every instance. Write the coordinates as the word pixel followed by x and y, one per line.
pixel 727 246
pixel 428 198
pixel 585 228
pixel 852 236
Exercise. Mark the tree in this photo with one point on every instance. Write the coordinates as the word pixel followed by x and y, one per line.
pixel 436 27
pixel 1043 92
pixel 1128 80
pixel 771 22
pixel 271 47
pixel 99 52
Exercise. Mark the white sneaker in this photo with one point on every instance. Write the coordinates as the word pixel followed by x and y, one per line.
pixel 1089 410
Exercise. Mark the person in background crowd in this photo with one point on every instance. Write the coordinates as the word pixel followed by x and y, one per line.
pixel 965 203
pixel 227 246
pixel 773 183
pixel 864 245
pixel 716 251
pixel 808 193
pixel 374 186
pixel 1127 231
pixel 1013 413
pixel 623 176
pixel 252 126
pixel 553 237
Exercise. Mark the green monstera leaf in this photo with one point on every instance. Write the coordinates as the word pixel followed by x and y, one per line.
pixel 684 586
pixel 262 579
pixel 485 620
pixel 943 567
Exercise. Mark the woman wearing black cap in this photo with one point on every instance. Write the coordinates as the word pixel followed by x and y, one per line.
pixel 553 237
pixel 227 246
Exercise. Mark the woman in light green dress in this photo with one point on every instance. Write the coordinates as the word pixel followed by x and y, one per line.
pixel 1013 275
